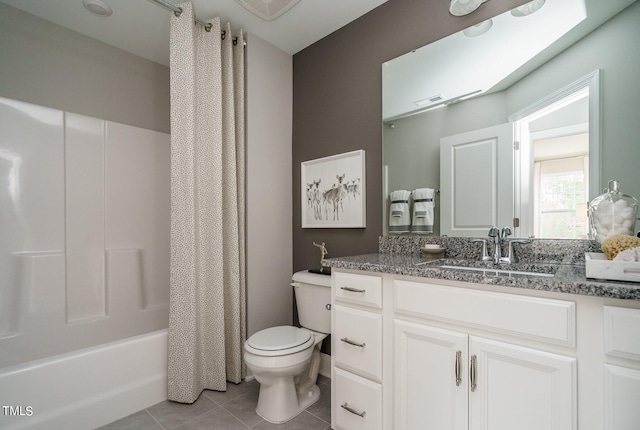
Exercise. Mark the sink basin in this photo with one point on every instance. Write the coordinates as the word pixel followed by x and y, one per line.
pixel 490 272
pixel 490 268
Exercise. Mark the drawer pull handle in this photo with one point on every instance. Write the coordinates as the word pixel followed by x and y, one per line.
pixel 350 342
pixel 353 290
pixel 472 373
pixel 458 368
pixel 353 411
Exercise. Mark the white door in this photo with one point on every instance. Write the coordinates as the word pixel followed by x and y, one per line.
pixel 476 181
pixel 521 388
pixel 430 378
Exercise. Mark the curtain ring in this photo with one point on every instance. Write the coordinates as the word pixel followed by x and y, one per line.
pixel 207 27
pixel 178 12
pixel 224 34
pixel 235 41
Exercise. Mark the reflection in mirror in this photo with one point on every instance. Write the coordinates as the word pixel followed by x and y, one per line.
pixel 560 189
pixel 540 201
pixel 554 164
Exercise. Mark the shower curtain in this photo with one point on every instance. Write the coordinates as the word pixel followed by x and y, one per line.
pixel 207 277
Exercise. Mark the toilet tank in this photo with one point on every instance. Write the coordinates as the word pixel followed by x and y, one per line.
pixel 313 295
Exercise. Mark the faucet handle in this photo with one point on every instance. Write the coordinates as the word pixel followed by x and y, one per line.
pixel 506 231
pixel 494 232
pixel 509 257
pixel 485 255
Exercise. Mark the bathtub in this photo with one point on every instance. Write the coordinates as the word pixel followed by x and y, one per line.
pixel 88 388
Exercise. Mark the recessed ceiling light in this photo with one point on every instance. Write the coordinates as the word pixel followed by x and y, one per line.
pixel 528 8
pixel 478 29
pixel 97 7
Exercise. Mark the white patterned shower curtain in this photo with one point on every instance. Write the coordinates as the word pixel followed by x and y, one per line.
pixel 207 295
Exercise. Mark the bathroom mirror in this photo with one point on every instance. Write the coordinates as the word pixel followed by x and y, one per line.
pixel 575 91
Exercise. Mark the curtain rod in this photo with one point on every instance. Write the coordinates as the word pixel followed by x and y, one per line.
pixel 177 11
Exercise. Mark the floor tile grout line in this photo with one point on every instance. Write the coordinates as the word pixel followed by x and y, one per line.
pixel 314 415
pixel 154 418
pixel 238 419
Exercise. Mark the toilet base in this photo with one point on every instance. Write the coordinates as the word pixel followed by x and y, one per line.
pixel 286 404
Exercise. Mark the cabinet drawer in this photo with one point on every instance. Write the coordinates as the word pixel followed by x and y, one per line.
pixel 546 320
pixel 622 332
pixel 357 337
pixel 357 402
pixel 359 289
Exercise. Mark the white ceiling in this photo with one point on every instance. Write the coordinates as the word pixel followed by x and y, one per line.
pixel 142 27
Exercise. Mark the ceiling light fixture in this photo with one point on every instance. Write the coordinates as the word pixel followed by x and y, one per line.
pixel 268 9
pixel 463 7
pixel 97 7
pixel 528 8
pixel 478 29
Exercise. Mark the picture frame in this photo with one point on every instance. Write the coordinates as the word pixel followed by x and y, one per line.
pixel 334 191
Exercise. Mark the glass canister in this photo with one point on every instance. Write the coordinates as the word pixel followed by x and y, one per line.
pixel 612 213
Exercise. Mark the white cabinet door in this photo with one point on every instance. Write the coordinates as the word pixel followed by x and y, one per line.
pixel 476 181
pixel 430 378
pixel 521 388
pixel 621 396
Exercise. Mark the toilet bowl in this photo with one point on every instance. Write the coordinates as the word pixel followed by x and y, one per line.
pixel 285 359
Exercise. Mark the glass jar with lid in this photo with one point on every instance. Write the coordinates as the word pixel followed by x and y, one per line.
pixel 612 213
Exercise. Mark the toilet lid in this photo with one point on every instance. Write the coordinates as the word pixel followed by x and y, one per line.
pixel 279 338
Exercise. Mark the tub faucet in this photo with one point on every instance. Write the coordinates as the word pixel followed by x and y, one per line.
pixel 495 234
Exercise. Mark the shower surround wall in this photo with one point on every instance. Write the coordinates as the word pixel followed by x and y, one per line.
pixel 84 235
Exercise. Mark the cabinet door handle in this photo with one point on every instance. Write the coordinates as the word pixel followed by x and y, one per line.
pixel 472 373
pixel 353 411
pixel 458 368
pixel 350 342
pixel 353 290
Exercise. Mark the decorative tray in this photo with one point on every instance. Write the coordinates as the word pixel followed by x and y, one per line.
pixel 599 267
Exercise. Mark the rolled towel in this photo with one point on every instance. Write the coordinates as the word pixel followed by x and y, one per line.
pixel 399 216
pixel 423 206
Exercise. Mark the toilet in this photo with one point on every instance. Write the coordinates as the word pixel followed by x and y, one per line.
pixel 285 360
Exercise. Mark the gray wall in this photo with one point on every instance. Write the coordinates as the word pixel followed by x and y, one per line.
pixel 46 64
pixel 337 104
pixel 269 294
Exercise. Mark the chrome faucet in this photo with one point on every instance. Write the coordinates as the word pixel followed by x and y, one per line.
pixel 485 255
pixel 509 257
pixel 506 231
pixel 497 252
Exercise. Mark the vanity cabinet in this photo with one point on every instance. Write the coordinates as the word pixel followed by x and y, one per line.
pixel 448 380
pixel 621 382
pixel 356 352
pixel 542 359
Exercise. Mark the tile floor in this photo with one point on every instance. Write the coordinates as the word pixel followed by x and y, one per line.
pixel 234 409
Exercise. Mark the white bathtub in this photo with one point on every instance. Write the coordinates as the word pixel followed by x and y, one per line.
pixel 88 388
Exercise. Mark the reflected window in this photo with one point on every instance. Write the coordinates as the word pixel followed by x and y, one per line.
pixel 561 172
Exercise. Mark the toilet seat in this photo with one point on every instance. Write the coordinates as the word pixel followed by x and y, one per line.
pixel 281 340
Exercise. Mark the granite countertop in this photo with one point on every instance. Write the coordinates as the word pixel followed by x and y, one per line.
pixel 563 277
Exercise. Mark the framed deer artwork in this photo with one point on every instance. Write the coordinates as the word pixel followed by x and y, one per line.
pixel 333 191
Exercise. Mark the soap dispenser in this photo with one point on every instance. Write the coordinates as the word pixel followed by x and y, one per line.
pixel 612 213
